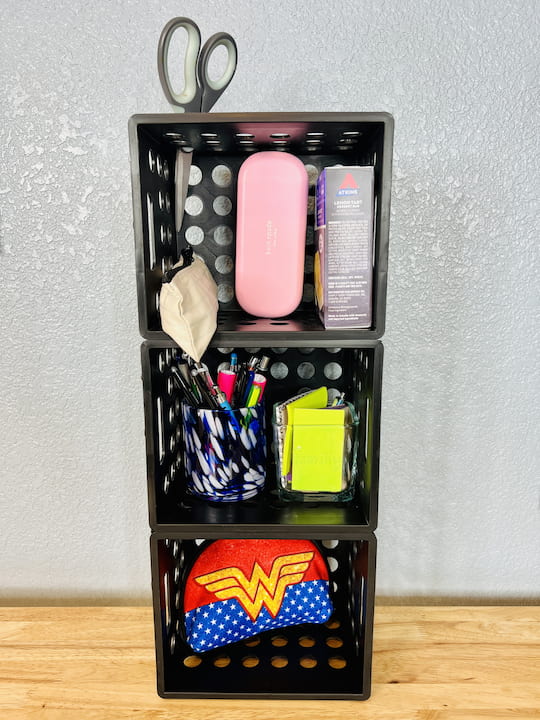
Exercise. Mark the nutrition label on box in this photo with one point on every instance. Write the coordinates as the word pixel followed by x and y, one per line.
pixel 348 241
pixel 345 246
pixel 347 260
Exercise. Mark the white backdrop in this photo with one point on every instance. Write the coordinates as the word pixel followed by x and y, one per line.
pixel 459 500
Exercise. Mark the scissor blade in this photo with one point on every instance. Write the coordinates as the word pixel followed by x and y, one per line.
pixel 181 181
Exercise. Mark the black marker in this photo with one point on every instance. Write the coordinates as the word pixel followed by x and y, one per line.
pixel 181 383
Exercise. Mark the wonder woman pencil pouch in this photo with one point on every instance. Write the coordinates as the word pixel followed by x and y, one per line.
pixel 238 588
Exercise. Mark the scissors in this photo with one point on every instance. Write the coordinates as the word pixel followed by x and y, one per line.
pixel 200 92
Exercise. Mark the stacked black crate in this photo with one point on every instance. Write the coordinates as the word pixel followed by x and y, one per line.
pixel 333 660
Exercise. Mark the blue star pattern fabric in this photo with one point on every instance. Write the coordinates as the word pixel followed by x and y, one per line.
pixel 226 622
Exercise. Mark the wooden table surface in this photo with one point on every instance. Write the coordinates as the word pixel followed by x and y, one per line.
pixel 429 663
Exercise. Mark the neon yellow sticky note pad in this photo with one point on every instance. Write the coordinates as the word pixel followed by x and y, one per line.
pixel 318 398
pixel 317 450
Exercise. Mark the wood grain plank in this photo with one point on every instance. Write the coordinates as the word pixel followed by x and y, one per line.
pixel 430 663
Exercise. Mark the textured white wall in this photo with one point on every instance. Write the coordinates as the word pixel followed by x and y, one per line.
pixel 459 469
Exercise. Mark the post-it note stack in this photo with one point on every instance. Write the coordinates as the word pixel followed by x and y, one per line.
pixel 317 450
pixel 284 414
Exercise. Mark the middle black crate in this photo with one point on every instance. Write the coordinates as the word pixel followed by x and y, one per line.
pixel 356 372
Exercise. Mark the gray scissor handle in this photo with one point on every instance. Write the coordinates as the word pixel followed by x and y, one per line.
pixel 190 99
pixel 212 89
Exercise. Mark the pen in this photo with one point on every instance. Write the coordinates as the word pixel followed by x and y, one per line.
pixel 217 396
pixel 264 364
pixel 247 387
pixel 224 405
pixel 184 369
pixel 240 384
pixel 184 387
pixel 202 369
pixel 203 389
pixel 252 365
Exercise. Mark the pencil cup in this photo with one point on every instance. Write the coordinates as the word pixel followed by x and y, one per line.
pixel 224 452
pixel 316 462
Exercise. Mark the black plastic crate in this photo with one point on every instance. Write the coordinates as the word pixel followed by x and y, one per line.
pixel 356 371
pixel 330 661
pixel 220 143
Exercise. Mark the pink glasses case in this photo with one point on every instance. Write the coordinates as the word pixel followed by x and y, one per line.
pixel 271 233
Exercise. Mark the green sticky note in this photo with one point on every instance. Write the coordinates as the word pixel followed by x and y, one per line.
pixel 317 398
pixel 317 450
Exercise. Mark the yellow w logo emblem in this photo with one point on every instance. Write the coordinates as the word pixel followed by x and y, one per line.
pixel 261 589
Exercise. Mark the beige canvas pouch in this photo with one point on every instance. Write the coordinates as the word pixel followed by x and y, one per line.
pixel 188 304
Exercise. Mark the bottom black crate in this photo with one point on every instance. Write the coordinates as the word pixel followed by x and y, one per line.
pixel 328 659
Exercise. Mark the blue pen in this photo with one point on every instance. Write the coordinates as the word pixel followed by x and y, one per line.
pixel 249 383
pixel 252 367
pixel 224 405
pixel 233 367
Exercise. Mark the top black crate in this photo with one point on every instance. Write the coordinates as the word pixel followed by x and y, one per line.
pixel 220 143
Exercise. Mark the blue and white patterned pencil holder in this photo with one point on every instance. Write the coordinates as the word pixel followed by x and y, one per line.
pixel 224 454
